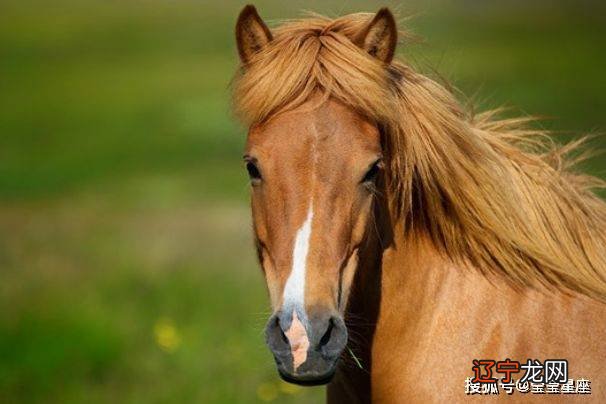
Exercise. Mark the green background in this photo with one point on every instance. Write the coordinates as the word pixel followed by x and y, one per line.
pixel 126 262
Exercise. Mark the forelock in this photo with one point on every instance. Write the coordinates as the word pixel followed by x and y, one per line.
pixel 310 57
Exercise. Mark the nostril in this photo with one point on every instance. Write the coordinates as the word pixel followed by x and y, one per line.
pixel 326 337
pixel 282 334
pixel 275 337
pixel 334 339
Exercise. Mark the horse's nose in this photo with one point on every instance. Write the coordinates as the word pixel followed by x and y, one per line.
pixel 306 348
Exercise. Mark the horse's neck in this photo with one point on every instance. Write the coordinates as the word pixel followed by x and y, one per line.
pixel 394 281
pixel 411 311
pixel 415 280
pixel 423 294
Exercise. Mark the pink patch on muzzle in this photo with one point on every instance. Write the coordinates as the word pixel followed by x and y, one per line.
pixel 299 343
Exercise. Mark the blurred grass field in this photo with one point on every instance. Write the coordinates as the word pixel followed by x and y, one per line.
pixel 126 262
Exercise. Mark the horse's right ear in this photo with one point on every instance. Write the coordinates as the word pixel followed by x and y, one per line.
pixel 251 33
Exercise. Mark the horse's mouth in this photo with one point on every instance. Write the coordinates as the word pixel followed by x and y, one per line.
pixel 307 358
pixel 307 381
pixel 316 371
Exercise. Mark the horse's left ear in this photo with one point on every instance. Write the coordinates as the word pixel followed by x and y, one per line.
pixel 251 33
pixel 380 36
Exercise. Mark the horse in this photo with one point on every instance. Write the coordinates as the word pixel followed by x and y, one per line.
pixel 406 242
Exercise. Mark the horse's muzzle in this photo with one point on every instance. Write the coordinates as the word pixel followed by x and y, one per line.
pixel 306 351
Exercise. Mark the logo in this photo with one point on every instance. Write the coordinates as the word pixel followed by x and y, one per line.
pixel 550 377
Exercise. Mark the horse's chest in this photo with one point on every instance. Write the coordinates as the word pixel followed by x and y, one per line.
pixel 413 371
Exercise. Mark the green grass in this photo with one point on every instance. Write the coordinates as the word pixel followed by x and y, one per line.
pixel 127 268
pixel 91 285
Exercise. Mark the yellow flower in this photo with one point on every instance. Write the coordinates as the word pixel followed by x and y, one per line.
pixel 267 392
pixel 289 388
pixel 167 336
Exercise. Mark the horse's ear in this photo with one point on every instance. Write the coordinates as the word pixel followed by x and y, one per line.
pixel 251 33
pixel 380 36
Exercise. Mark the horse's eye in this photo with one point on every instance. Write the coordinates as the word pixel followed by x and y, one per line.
pixel 253 172
pixel 371 174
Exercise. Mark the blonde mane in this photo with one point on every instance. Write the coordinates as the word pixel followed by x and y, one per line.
pixel 488 192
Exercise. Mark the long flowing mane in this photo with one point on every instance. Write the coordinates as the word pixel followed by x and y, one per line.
pixel 491 193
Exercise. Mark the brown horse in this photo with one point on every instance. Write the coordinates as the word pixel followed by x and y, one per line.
pixel 402 237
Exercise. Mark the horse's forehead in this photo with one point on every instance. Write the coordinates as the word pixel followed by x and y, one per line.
pixel 327 129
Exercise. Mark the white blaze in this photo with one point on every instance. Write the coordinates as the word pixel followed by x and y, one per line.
pixel 294 290
pixel 294 293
